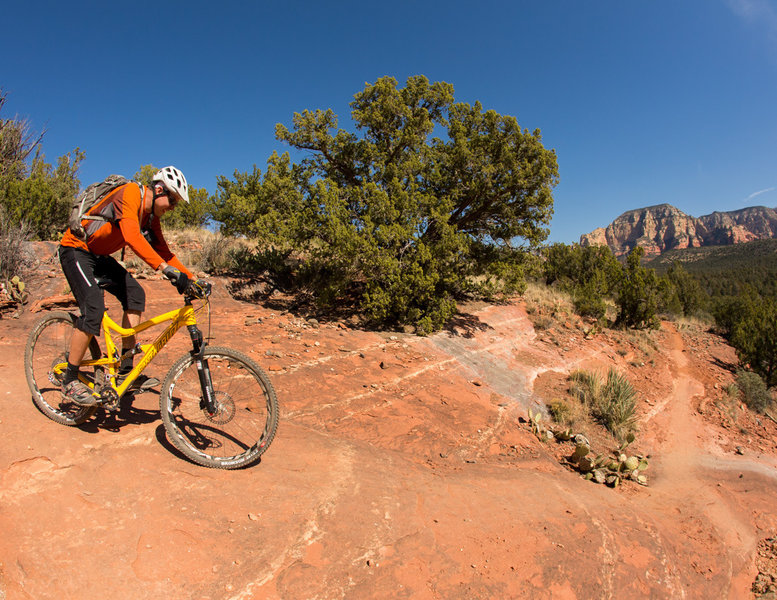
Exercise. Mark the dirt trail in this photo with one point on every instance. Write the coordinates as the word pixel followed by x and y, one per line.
pixel 685 477
pixel 400 470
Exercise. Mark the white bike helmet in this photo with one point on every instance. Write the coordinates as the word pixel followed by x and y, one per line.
pixel 174 181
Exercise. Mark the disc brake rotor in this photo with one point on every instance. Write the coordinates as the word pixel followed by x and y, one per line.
pixel 225 409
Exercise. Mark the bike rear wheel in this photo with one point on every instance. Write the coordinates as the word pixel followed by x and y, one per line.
pixel 48 345
pixel 246 417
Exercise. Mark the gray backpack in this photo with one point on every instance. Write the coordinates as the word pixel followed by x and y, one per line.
pixel 90 198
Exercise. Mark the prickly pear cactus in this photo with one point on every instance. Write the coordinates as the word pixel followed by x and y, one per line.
pixel 580 451
pixel 610 469
pixel 586 463
pixel 15 288
pixel 535 422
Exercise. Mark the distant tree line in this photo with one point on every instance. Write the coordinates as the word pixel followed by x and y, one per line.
pixel 745 312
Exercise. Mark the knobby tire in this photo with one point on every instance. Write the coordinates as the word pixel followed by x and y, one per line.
pixel 47 345
pixel 246 419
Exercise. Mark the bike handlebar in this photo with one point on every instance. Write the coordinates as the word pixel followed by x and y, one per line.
pixel 199 289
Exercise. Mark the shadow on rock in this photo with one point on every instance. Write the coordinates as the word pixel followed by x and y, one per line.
pixel 126 415
pixel 465 325
pixel 723 364
pixel 262 290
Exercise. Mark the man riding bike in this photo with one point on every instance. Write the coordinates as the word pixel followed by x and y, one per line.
pixel 127 216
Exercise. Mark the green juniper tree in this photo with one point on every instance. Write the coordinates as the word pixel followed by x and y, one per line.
pixel 686 289
pixel 588 273
pixel 406 221
pixel 639 293
pixel 754 335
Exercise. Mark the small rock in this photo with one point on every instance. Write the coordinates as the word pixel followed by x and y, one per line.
pixel 253 516
pixel 740 450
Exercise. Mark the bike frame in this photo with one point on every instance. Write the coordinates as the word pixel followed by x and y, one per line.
pixel 178 318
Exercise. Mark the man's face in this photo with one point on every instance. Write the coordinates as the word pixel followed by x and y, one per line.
pixel 164 203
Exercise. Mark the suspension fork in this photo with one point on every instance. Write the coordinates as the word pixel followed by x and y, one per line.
pixel 208 401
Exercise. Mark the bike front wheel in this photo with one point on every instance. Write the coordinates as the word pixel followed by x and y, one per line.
pixel 47 349
pixel 246 416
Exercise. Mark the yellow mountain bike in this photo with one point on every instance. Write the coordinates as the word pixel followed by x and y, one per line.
pixel 218 406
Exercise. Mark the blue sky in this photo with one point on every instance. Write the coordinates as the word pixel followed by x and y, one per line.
pixel 644 101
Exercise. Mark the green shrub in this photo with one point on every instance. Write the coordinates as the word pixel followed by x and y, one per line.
pixel 589 302
pixel 560 412
pixel 586 387
pixel 754 392
pixel 612 402
pixel 618 412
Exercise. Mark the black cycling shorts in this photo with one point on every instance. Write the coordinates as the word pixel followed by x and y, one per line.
pixel 81 268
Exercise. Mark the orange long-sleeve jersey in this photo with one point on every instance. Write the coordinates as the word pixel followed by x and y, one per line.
pixel 123 208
